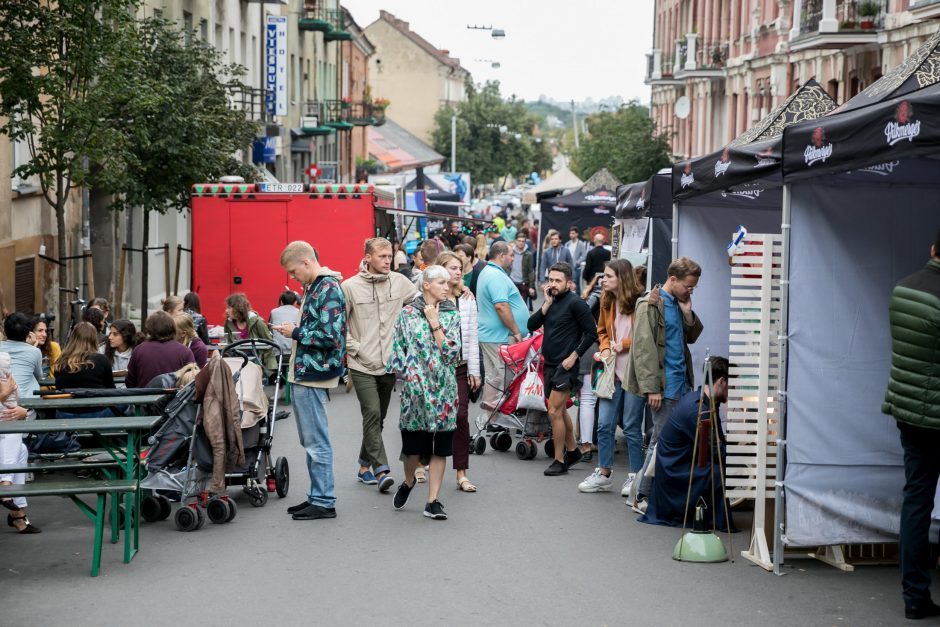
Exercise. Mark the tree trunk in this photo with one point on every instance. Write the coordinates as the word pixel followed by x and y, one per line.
pixel 144 263
pixel 61 254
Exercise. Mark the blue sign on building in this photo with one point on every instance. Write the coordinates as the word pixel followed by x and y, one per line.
pixel 264 150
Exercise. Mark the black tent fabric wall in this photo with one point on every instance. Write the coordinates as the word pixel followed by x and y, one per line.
pixel 652 199
pixel 584 210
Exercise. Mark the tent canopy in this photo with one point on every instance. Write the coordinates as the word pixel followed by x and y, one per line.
pixel 896 118
pixel 651 198
pixel 560 181
pixel 756 153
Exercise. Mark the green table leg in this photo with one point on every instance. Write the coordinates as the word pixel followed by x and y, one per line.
pixel 99 535
pixel 130 512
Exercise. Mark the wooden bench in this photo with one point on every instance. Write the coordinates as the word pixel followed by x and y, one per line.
pixel 53 465
pixel 72 490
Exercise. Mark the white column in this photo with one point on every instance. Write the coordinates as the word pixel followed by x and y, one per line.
pixel 690 51
pixel 829 23
pixel 675 61
pixel 657 65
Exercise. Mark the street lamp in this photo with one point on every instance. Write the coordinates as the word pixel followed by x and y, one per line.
pixel 495 33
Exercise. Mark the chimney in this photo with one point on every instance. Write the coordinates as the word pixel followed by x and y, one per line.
pixel 446 53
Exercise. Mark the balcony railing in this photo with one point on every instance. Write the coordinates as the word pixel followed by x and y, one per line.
pixel 326 116
pixel 327 21
pixel 848 16
pixel 249 100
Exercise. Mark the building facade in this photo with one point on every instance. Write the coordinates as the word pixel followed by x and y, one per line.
pixel 415 76
pixel 718 66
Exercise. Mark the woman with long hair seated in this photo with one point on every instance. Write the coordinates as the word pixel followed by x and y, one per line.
pixel 242 323
pixel 186 335
pixel 50 349
pixel 81 366
pixel 122 339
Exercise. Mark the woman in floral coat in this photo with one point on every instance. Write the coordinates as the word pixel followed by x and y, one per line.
pixel 425 352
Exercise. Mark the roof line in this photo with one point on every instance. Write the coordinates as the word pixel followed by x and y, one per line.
pixel 403 27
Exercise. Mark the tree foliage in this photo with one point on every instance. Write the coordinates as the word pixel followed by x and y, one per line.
pixel 494 135
pixel 625 142
pixel 56 67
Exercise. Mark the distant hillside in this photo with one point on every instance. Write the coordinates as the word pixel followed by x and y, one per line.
pixel 543 109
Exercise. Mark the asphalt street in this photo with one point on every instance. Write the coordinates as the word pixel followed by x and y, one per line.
pixel 524 550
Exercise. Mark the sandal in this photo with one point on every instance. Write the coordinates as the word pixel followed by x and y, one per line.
pixel 420 475
pixel 464 485
pixel 28 529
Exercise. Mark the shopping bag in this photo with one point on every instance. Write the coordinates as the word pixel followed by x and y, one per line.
pixel 532 391
pixel 604 388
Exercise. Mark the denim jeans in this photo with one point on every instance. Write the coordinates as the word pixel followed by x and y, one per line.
pixel 310 415
pixel 921 473
pixel 660 417
pixel 629 407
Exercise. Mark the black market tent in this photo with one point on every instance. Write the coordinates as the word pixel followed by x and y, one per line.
pixel 739 185
pixel 756 153
pixel 439 199
pixel 589 208
pixel 860 199
pixel 644 216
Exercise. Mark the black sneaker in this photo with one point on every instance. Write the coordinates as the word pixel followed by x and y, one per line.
pixel 557 468
pixel 927 610
pixel 435 511
pixel 296 508
pixel 315 512
pixel 401 496
pixel 573 457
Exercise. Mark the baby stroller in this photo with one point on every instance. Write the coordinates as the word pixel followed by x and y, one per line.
pixel 505 417
pixel 179 461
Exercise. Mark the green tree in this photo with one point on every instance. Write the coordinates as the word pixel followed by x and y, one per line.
pixel 174 111
pixel 625 142
pixel 56 65
pixel 494 135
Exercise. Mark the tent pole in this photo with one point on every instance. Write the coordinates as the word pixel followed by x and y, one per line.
pixel 675 230
pixel 782 336
pixel 650 236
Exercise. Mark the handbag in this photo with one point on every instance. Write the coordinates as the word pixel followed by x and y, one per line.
pixel 57 442
pixel 604 387
pixel 532 391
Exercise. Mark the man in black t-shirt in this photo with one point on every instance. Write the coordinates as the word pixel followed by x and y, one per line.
pixel 596 259
pixel 570 331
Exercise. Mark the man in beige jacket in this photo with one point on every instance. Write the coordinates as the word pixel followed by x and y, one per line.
pixel 374 297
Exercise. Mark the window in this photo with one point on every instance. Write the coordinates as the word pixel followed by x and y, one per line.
pixel 244 49
pixel 188 27
pixel 25 285
pixel 204 30
pixel 231 46
pixel 20 156
pixel 157 13
pixel 218 38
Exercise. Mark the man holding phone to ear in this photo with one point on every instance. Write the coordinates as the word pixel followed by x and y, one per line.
pixel 660 367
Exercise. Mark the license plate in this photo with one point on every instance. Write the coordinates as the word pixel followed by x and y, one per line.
pixel 282 188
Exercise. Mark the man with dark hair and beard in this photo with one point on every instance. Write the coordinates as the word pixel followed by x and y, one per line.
pixel 570 330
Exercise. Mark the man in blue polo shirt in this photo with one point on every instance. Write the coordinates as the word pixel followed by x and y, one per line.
pixel 503 316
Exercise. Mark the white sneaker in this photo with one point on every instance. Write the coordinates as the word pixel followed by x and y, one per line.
pixel 627 485
pixel 596 483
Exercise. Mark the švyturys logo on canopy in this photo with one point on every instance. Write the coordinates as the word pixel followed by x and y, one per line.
pixel 819 150
pixel 904 126
pixel 687 177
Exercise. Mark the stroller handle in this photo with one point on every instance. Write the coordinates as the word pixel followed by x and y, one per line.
pixel 252 342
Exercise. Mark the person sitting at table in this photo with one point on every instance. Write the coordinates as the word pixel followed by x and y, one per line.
pixel 160 354
pixel 186 335
pixel 13 453
pixel 26 360
pixel 50 349
pixel 192 305
pixel 81 366
pixel 122 339
pixel 242 323
pixel 96 318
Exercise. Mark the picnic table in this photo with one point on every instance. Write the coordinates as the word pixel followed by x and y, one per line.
pixel 41 404
pixel 49 382
pixel 121 436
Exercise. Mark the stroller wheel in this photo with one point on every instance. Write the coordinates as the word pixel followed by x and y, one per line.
pixel 164 506
pixel 479 445
pixel 533 450
pixel 549 448
pixel 200 519
pixel 188 518
pixel 522 450
pixel 257 496
pixel 150 509
pixel 503 441
pixel 217 510
pixel 232 510
pixel 282 476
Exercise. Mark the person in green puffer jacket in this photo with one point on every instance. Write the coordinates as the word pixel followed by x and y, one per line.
pixel 913 399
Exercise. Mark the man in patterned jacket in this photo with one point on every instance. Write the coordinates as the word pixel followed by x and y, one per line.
pixel 316 361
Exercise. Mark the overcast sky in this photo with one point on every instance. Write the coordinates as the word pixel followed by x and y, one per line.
pixel 563 49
